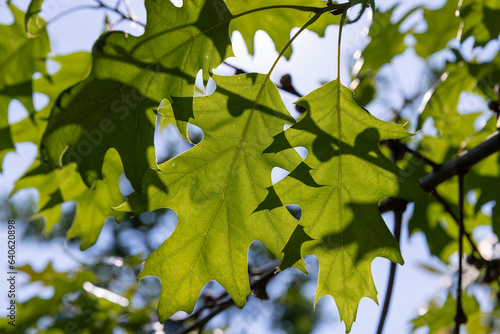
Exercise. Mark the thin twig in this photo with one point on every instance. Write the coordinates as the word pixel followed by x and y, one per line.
pixel 447 170
pixel 398 218
pixel 400 146
pixel 258 281
pixel 448 209
pixel 460 317
pixel 100 5
pixel 117 11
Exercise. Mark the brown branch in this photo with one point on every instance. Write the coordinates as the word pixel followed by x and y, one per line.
pixel 460 317
pixel 448 209
pixel 396 144
pixel 257 281
pixel 398 219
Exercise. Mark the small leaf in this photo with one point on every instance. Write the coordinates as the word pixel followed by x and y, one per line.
pixel 93 206
pixel 20 58
pixel 442 105
pixel 439 318
pixel 74 68
pixel 480 20
pixel 34 23
pixel 386 41
pixel 442 26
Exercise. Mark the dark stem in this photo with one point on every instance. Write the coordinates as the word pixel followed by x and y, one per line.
pixel 396 144
pixel 117 11
pixel 448 209
pixel 202 322
pixel 334 8
pixel 98 6
pixel 257 281
pixel 398 218
pixel 447 170
pixel 460 317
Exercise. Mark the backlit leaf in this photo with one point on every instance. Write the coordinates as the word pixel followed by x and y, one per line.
pixel 439 318
pixel 93 206
pixel 386 41
pixel 74 68
pixel 442 101
pixel 442 26
pixel 34 23
pixel 338 187
pixel 216 189
pixel 114 106
pixel 481 20
pixel 20 58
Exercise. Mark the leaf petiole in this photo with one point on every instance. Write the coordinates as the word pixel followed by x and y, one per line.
pixel 316 10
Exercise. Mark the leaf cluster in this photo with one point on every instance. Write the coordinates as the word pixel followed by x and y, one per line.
pixel 98 129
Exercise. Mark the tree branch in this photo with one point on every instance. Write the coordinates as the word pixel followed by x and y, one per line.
pixel 460 317
pixel 448 209
pixel 398 218
pixel 446 171
pixel 257 281
pixel 396 144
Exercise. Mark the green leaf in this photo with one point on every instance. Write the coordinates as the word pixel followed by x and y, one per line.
pixel 480 20
pixel 35 308
pixel 114 106
pixel 364 88
pixel 455 132
pixel 34 23
pixel 6 143
pixel 277 23
pixel 439 318
pixel 484 177
pixel 216 189
pixel 438 225
pixel 338 187
pixel 442 103
pixel 20 58
pixel 442 26
pixel 93 206
pixel 74 68
pixel 386 41
pixel 487 75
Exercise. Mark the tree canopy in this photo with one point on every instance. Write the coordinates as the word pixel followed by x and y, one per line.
pixel 432 154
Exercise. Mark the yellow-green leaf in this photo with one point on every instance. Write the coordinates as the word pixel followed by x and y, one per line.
pixel 338 187
pixel 114 107
pixel 216 189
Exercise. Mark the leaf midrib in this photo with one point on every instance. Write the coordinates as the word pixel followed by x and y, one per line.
pixel 223 193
